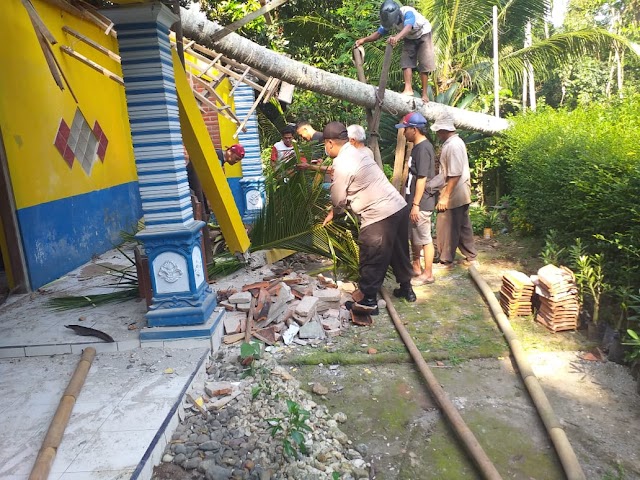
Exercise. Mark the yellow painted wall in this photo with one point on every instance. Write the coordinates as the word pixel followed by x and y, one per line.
pixel 31 105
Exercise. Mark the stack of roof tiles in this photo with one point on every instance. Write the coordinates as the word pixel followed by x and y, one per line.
pixel 558 295
pixel 516 294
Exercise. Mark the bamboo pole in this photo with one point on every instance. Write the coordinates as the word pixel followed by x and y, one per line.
pixel 53 438
pixel 465 435
pixel 567 456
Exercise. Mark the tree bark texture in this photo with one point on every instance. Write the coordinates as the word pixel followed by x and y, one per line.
pixel 197 27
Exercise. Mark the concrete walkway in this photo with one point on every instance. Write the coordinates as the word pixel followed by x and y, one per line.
pixel 132 398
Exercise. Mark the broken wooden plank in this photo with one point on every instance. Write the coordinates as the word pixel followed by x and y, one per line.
pixel 38 23
pixel 253 107
pixel 247 333
pixel 233 338
pixel 258 285
pixel 91 43
pixel 227 61
pixel 90 63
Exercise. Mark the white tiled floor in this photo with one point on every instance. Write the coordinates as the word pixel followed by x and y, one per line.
pixel 126 398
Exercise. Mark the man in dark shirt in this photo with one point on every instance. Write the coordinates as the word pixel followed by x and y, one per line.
pixel 422 169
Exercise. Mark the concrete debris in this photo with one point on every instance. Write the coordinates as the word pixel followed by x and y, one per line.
pixel 240 297
pixel 307 306
pixel 311 329
pixel 288 307
pixel 218 389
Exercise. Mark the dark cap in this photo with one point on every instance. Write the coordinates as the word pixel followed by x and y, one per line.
pixel 335 131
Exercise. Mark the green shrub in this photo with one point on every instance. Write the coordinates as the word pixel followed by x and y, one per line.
pixel 578 173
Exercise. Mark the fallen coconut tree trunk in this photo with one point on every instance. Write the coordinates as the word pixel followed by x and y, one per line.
pixel 197 27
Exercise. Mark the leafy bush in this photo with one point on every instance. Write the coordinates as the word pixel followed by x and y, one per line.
pixel 578 173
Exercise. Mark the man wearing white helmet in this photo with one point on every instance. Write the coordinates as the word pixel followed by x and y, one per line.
pixel 417 50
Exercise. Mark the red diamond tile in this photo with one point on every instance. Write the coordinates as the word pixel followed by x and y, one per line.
pixel 68 156
pixel 102 148
pixel 60 143
pixel 64 129
pixel 97 130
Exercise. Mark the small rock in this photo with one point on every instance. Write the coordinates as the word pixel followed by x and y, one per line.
pixel 372 351
pixel 340 417
pixel 319 389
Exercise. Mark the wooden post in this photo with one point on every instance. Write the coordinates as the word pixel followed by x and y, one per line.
pixel 358 61
pixel 377 111
pixel 144 275
pixel 398 165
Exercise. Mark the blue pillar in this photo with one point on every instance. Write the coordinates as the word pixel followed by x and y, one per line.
pixel 181 295
pixel 252 182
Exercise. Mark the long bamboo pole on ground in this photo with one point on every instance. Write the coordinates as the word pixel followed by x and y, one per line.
pixel 465 435
pixel 53 438
pixel 568 458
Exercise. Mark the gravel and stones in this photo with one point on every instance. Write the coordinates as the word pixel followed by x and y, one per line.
pixel 235 442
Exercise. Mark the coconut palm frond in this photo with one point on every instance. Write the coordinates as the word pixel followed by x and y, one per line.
pixel 296 205
pixel 295 202
pixel 129 236
pixel 223 264
pixel 318 22
pixel 69 303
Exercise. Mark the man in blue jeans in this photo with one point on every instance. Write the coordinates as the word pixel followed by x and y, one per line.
pixel 359 184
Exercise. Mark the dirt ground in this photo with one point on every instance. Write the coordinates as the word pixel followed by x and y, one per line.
pixel 391 411
pixel 392 416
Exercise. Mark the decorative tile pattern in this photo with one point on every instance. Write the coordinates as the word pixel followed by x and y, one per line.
pixel 81 142
pixel 102 140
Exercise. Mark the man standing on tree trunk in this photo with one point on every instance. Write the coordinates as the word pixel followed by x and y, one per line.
pixel 358 183
pixel 417 49
pixel 453 226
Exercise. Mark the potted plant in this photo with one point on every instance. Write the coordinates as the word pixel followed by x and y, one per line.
pixel 490 222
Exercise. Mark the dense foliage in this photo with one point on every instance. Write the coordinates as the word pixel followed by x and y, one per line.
pixel 578 173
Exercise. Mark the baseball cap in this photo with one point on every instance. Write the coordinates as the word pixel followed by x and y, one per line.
pixel 237 149
pixel 444 122
pixel 413 119
pixel 335 131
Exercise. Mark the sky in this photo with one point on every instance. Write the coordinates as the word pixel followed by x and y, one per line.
pixel 558 11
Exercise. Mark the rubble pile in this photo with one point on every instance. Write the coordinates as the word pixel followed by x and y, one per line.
pixel 288 307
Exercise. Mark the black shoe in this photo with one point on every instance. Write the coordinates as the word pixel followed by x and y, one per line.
pixel 406 292
pixel 366 305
